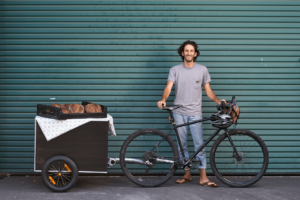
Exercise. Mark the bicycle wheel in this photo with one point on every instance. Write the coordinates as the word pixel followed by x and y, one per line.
pixel 145 164
pixel 59 173
pixel 243 171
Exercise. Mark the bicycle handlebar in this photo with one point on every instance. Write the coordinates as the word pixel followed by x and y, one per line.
pixel 231 103
pixel 222 105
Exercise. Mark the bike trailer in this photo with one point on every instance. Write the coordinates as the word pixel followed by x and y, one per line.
pixel 60 157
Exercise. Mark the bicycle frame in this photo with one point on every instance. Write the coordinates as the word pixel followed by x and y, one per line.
pixel 188 162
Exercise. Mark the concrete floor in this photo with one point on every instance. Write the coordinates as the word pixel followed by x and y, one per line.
pixel 111 188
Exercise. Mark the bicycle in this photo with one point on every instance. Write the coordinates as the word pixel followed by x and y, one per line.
pixel 238 158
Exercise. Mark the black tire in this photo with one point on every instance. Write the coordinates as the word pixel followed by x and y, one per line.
pixel 138 146
pixel 239 173
pixel 63 172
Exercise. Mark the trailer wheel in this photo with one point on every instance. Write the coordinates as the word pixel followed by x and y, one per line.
pixel 59 173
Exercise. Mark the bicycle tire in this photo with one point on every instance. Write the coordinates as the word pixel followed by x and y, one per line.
pixel 138 146
pixel 67 178
pixel 239 173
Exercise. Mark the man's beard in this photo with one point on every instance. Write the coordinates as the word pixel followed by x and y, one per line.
pixel 188 60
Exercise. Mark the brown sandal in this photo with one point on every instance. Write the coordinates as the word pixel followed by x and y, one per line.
pixel 185 180
pixel 209 184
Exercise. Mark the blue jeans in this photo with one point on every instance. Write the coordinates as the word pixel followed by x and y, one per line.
pixel 197 134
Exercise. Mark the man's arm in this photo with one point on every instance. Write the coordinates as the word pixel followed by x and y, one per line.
pixel 165 95
pixel 211 94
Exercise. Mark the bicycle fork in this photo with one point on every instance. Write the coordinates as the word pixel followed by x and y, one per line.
pixel 238 157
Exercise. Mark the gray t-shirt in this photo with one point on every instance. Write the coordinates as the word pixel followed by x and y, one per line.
pixel 188 88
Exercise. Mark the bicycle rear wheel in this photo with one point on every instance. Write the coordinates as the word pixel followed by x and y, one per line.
pixel 243 171
pixel 145 164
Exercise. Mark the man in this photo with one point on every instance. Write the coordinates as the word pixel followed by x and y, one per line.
pixel 188 78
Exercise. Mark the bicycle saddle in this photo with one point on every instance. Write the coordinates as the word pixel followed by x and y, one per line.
pixel 172 107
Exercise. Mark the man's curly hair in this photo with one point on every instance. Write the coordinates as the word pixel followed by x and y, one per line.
pixel 181 49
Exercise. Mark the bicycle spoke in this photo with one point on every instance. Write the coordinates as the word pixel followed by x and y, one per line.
pixel 66 177
pixel 54 168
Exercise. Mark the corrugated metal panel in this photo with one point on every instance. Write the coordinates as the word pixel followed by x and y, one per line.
pixel 118 53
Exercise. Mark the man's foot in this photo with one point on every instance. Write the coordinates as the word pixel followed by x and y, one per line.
pixel 186 178
pixel 203 180
pixel 209 184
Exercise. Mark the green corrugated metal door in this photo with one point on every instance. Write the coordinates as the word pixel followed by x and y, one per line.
pixel 118 53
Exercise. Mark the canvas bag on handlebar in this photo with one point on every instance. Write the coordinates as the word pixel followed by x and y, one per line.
pixel 235 113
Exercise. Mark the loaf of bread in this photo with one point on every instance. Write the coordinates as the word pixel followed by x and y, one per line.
pixel 93 108
pixel 76 108
pixel 55 105
pixel 65 108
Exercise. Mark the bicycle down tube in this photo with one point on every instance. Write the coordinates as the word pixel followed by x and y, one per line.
pixel 201 147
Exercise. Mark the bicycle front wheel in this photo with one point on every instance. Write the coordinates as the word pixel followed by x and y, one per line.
pixel 144 161
pixel 243 170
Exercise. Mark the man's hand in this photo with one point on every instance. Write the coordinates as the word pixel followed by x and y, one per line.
pixel 160 104
pixel 220 101
pixel 211 94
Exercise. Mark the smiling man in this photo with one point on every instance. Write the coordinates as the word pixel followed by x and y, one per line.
pixel 188 78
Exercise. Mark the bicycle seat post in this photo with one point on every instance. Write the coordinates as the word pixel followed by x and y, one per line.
pixel 170 108
pixel 171 119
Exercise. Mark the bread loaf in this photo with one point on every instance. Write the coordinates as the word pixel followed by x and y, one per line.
pixel 65 108
pixel 93 108
pixel 54 105
pixel 76 108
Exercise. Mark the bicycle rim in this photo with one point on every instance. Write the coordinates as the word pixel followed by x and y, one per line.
pixel 141 146
pixel 243 171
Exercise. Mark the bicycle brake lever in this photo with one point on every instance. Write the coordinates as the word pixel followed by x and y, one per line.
pixel 222 104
